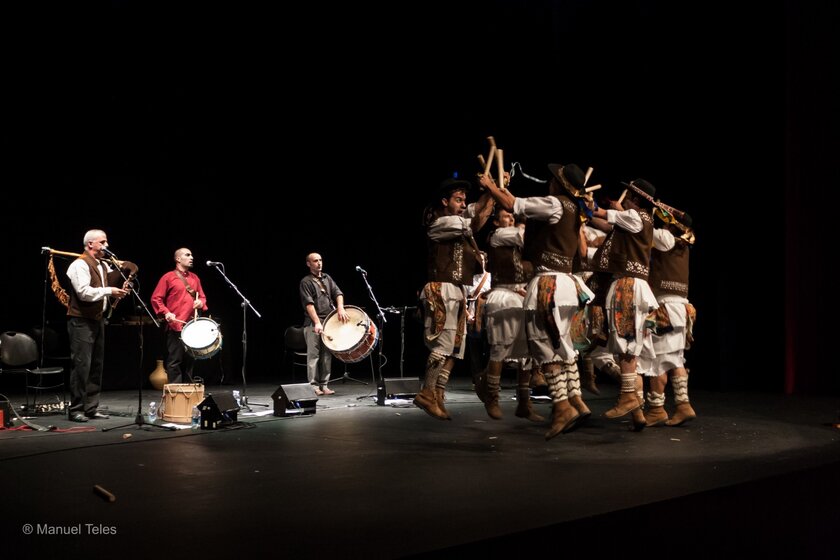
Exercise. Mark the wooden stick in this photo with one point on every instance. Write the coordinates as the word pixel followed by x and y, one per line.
pixel 492 141
pixel 490 160
pixel 621 198
pixel 104 494
pixel 592 188
pixel 481 161
pixel 588 173
pixel 501 167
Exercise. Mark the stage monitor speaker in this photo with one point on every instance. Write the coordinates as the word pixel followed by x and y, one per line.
pixel 404 388
pixel 297 399
pixel 218 410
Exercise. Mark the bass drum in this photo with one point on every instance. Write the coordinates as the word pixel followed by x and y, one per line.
pixel 202 338
pixel 352 341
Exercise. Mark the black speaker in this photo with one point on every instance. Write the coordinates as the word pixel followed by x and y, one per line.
pixel 397 388
pixel 296 399
pixel 218 410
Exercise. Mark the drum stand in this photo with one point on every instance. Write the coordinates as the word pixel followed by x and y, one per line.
pixel 402 312
pixel 139 418
pixel 245 305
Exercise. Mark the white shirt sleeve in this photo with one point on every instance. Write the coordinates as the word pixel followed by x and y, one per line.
pixel 507 237
pixel 542 208
pixel 79 274
pixel 663 240
pixel 449 227
pixel 628 220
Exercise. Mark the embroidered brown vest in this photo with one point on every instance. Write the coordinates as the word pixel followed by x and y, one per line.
pixel 627 254
pixel 669 270
pixel 451 261
pixel 554 246
pixel 507 266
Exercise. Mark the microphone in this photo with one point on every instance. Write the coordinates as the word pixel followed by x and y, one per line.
pixel 362 270
pixel 213 263
pixel 108 253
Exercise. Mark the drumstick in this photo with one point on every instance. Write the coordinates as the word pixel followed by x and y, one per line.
pixel 588 174
pixel 196 309
pixel 179 320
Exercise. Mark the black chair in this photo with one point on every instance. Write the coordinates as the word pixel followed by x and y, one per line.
pixel 295 346
pixel 19 354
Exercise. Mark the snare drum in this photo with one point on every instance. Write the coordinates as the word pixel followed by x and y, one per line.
pixel 202 338
pixel 352 341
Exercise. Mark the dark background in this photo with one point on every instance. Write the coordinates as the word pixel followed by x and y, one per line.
pixel 256 134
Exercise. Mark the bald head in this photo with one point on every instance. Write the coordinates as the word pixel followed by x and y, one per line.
pixel 183 259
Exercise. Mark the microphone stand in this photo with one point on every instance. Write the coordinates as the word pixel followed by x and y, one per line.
pixel 402 312
pixel 139 418
pixel 245 305
pixel 380 324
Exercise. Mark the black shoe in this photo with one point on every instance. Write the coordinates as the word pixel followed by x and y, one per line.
pixel 97 416
pixel 78 417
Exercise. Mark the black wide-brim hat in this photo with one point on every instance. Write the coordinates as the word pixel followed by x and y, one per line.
pixel 642 187
pixel 452 185
pixel 570 176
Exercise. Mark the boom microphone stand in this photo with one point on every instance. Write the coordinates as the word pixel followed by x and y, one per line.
pixel 139 419
pixel 380 324
pixel 245 305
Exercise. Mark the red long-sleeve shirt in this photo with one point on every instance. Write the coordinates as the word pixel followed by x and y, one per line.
pixel 171 295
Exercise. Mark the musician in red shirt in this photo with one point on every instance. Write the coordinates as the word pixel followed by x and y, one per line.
pixel 176 298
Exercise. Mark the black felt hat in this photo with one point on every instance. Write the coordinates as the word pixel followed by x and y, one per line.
pixel 642 187
pixel 570 176
pixel 452 185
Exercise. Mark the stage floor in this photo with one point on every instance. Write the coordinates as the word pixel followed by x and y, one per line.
pixel 754 473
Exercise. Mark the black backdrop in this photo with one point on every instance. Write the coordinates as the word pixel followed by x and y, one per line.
pixel 254 135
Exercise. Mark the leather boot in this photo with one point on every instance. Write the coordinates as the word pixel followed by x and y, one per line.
pixel 581 407
pixel 439 398
pixel 493 378
pixel 524 409
pixel 587 376
pixel 563 419
pixel 492 407
pixel 682 414
pixel 627 402
pixel 537 379
pixel 638 418
pixel 655 416
pixel 426 399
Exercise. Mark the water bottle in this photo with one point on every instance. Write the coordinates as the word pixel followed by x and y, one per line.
pixel 152 412
pixel 196 418
pixel 236 398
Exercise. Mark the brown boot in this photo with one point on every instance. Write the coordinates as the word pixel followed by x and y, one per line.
pixel 581 407
pixel 427 400
pixel 638 418
pixel 587 376
pixel 524 409
pixel 492 407
pixel 537 379
pixel 439 398
pixel 683 414
pixel 563 419
pixel 627 402
pixel 655 416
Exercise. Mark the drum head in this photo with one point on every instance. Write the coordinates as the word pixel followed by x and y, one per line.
pixel 338 336
pixel 200 333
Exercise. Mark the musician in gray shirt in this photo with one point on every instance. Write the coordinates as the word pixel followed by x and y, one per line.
pixel 319 295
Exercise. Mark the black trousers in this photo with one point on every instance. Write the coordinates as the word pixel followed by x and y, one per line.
pixel 179 363
pixel 87 352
